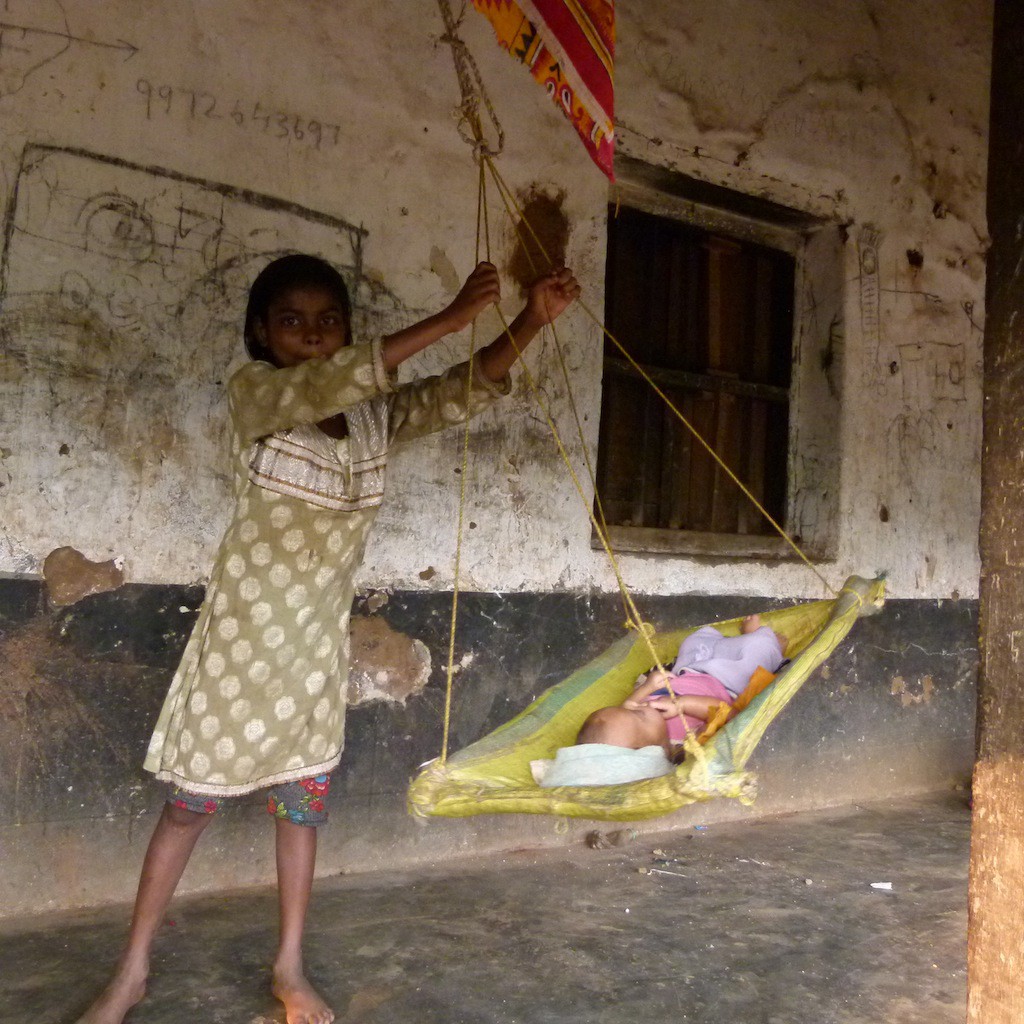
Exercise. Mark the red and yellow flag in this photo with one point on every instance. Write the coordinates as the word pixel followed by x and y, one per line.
pixel 569 47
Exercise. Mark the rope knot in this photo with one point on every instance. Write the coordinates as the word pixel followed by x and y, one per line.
pixel 474 94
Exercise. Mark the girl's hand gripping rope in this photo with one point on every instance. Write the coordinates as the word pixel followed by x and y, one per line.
pixel 549 296
pixel 482 289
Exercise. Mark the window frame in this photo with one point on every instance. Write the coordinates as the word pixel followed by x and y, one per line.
pixel 814 445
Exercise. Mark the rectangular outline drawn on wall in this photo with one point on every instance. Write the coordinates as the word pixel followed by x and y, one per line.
pixel 123 290
pixel 142 247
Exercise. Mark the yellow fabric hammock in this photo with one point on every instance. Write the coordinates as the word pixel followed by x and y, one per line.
pixel 493 775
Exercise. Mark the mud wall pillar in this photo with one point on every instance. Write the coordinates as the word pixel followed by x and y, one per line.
pixel 995 950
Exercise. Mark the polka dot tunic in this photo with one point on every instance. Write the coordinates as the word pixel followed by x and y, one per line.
pixel 259 696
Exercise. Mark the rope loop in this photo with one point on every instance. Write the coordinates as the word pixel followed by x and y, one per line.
pixel 474 93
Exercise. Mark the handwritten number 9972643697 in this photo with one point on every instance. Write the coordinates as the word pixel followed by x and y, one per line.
pixel 167 101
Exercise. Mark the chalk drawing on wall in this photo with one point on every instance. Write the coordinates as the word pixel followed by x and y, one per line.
pixel 933 372
pixel 123 289
pixel 868 243
pixel 35 32
pixel 812 469
pixel 912 437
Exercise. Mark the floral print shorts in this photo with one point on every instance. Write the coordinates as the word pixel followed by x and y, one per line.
pixel 300 802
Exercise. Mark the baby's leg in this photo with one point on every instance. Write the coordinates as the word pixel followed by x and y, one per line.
pixel 298 808
pixel 173 841
pixel 752 623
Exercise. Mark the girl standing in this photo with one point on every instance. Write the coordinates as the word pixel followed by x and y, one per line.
pixel 258 701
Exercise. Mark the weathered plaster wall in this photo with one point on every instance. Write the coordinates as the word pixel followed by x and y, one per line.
pixel 154 153
pixel 874 114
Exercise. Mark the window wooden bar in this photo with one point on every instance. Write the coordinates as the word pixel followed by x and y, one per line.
pixel 697 381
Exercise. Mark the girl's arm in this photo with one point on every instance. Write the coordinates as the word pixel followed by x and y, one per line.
pixel 264 399
pixel 548 298
pixel 481 290
pixel 433 403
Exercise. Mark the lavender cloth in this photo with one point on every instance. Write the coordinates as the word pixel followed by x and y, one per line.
pixel 732 660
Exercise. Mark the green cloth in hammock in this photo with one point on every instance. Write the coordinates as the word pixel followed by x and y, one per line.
pixel 492 776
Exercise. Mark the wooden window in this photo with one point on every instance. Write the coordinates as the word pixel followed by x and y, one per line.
pixel 710 319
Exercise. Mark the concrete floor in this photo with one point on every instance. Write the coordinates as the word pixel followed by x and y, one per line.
pixel 768 922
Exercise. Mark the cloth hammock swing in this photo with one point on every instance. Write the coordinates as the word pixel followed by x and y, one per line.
pixel 493 775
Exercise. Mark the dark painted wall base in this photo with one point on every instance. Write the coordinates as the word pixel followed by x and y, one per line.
pixel 891 713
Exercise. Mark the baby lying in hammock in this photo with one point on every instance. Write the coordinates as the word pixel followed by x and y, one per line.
pixel 710 669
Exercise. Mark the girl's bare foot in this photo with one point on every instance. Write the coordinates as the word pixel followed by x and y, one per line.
pixel 750 624
pixel 302 1005
pixel 126 988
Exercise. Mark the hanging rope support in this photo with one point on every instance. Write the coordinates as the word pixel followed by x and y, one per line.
pixel 482 236
pixel 474 93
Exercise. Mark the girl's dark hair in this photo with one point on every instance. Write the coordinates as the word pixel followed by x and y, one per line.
pixel 294 271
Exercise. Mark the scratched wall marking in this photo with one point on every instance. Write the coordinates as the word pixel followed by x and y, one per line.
pixel 933 371
pixel 930 432
pixel 868 243
pixel 123 289
pixel 175 101
pixel 35 32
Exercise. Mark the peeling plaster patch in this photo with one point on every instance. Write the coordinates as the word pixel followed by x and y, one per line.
pixel 70 576
pixel 428 574
pixel 542 235
pixel 386 665
pixel 376 600
pixel 441 265
pixel 901 689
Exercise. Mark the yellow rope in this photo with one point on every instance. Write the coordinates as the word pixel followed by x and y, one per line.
pixel 472 88
pixel 481 218
pixel 511 205
pixel 635 620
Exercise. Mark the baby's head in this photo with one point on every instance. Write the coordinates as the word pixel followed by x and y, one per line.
pixel 291 293
pixel 626 727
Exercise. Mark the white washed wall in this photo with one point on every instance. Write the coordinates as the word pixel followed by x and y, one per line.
pixel 150 151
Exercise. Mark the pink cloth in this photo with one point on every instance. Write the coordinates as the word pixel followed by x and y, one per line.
pixel 692 684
